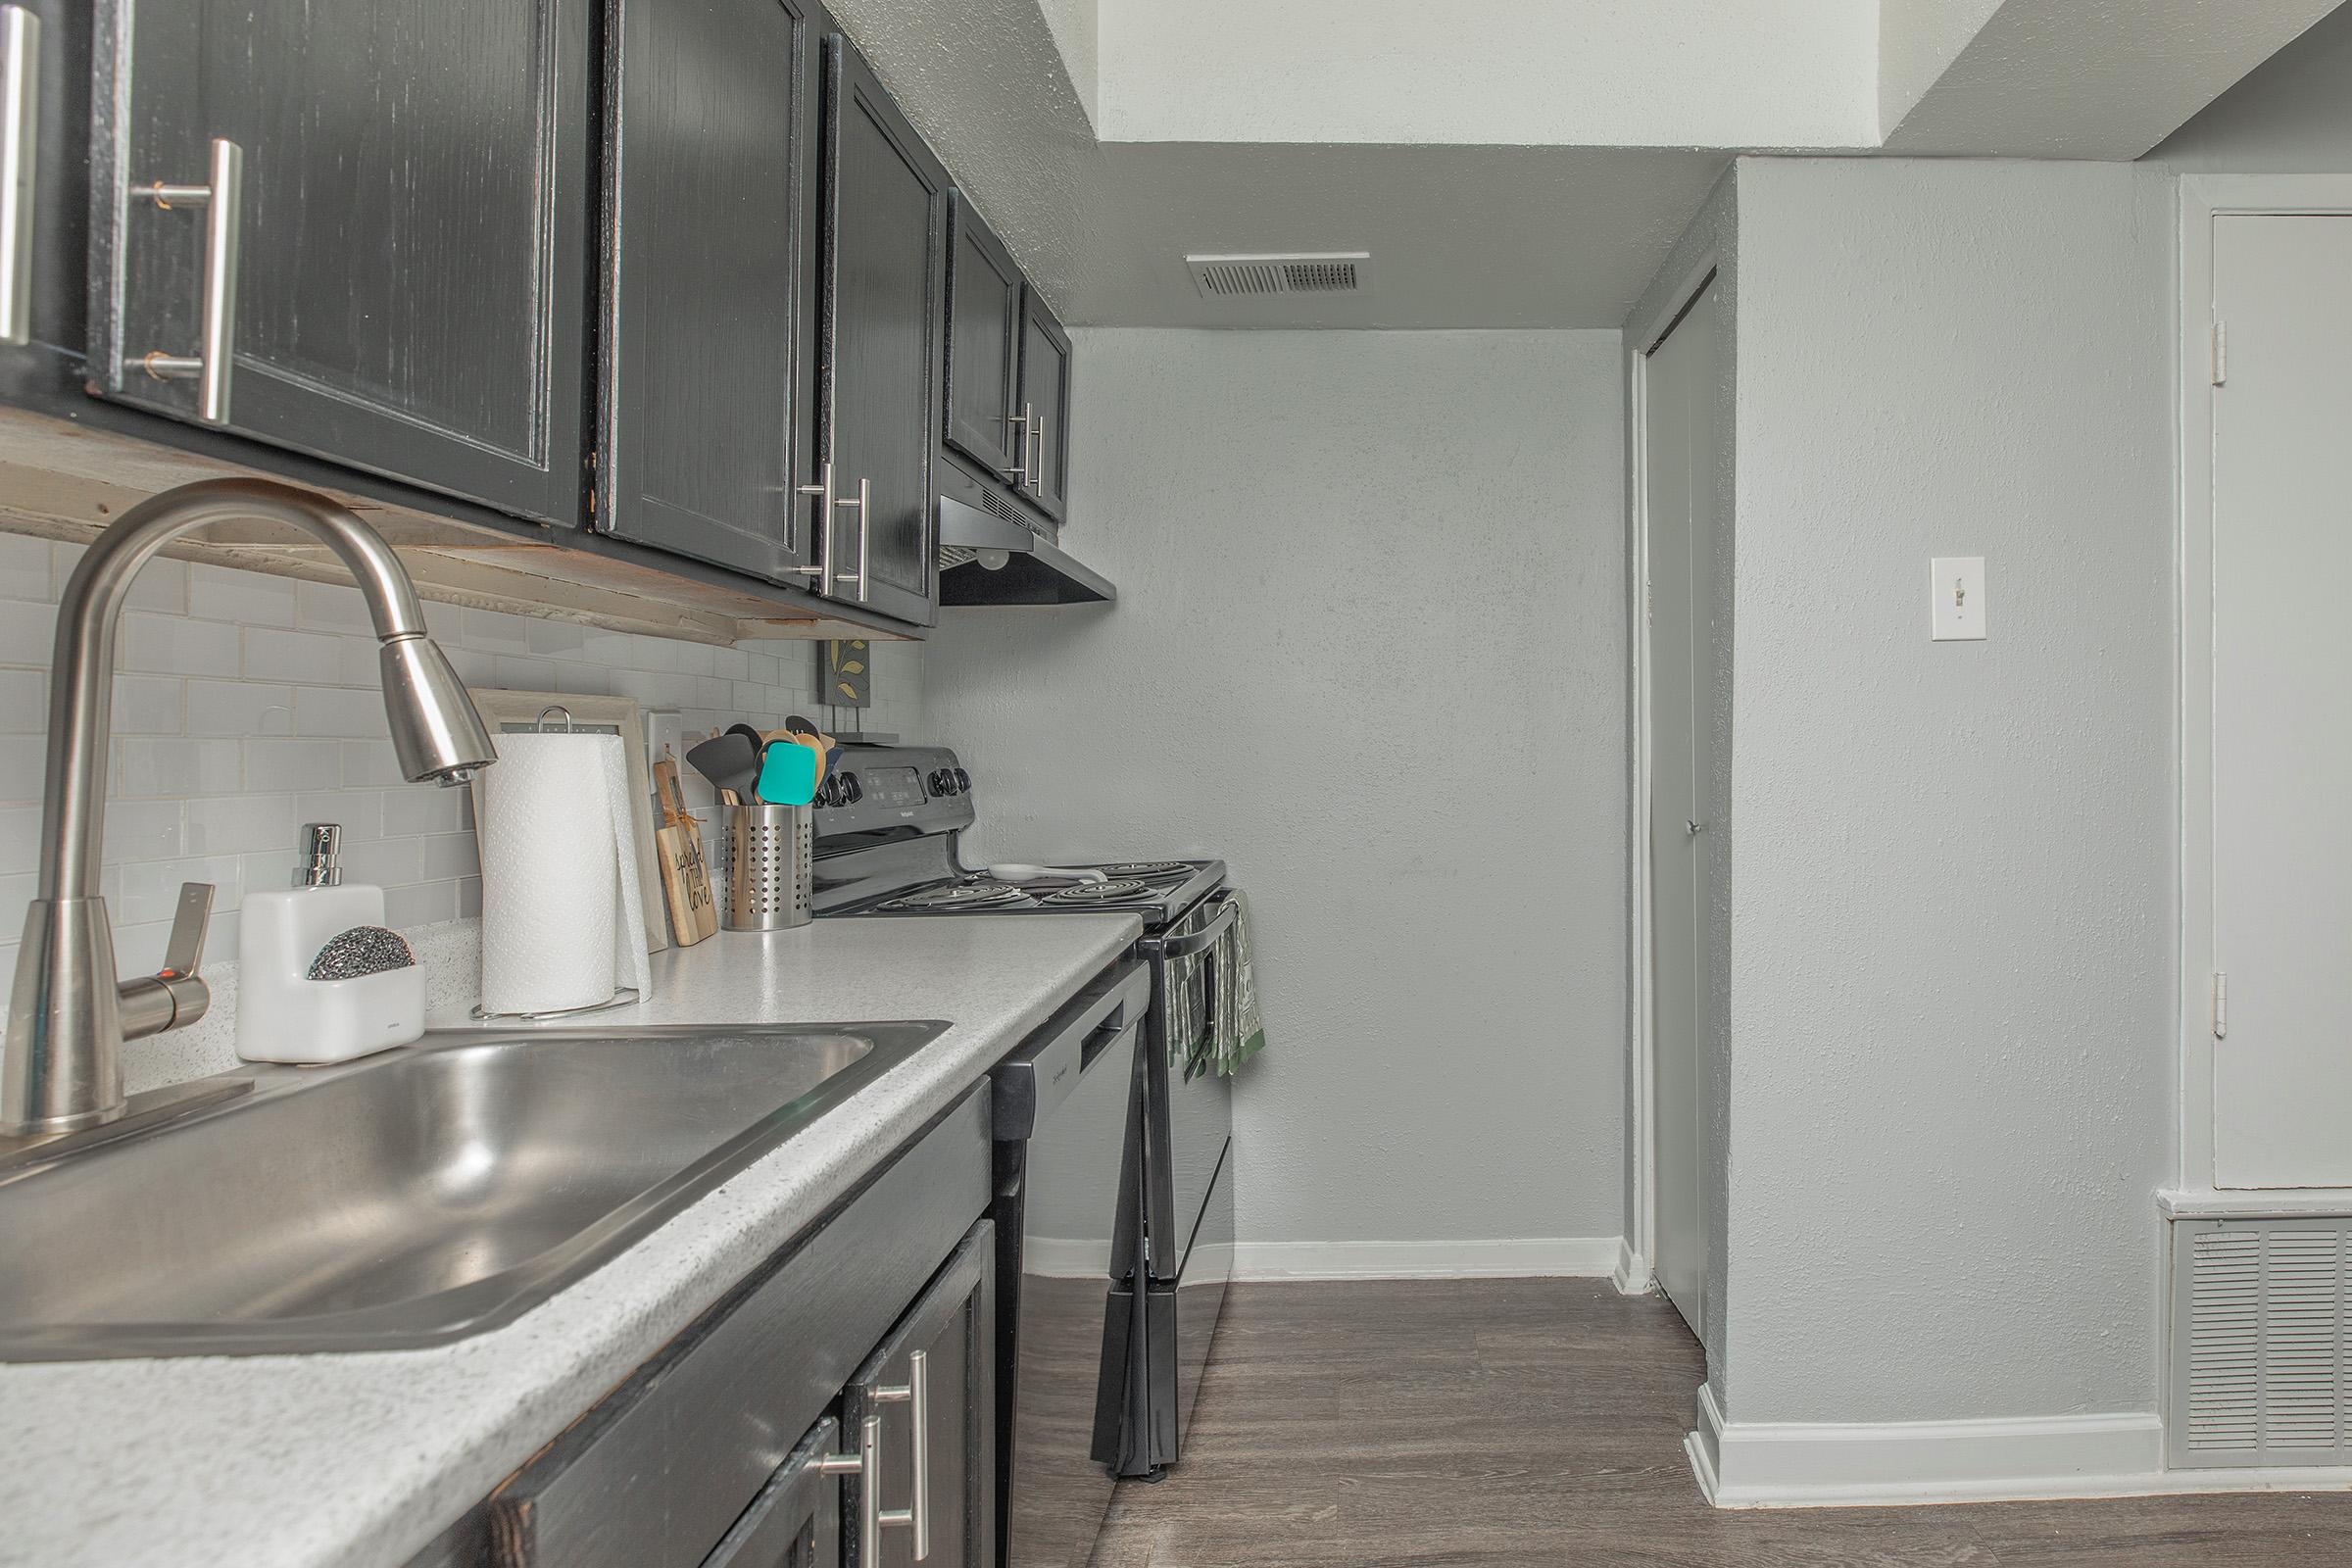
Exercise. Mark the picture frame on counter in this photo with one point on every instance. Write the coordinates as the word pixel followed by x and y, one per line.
pixel 509 712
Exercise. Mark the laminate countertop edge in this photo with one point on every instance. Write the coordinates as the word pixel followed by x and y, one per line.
pixel 360 1460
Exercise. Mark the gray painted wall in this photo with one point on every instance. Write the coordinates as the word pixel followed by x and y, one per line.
pixel 1953 917
pixel 1371 651
pixel 1713 237
pixel 2291 114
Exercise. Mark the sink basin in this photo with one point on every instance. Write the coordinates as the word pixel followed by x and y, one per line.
pixel 408 1199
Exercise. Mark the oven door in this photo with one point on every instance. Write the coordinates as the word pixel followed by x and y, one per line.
pixel 1188 1109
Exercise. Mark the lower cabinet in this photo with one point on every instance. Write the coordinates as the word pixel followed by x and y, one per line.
pixel 908 1472
pixel 837 1407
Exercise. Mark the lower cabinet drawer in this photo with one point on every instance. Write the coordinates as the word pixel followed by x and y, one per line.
pixel 657 1473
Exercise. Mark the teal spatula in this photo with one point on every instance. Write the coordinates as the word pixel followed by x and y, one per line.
pixel 788 773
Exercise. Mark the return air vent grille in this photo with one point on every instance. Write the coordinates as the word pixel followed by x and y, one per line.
pixel 1223 277
pixel 2262 1341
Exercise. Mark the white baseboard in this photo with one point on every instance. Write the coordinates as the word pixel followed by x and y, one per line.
pixel 1835 1464
pixel 1539 1257
pixel 1632 1273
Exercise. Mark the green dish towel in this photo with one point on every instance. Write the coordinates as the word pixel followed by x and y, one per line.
pixel 1236 1031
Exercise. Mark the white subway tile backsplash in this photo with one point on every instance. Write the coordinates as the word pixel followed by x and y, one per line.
pixel 249 597
pixel 339 711
pixel 24 702
pixel 144 830
pixel 175 645
pixel 557 638
pixel 21 840
pixel 28 633
pixel 25 569
pixel 361 663
pixel 360 814
pixel 237 824
pixel 371 764
pixel 21 768
pixel 146 705
pixel 330 606
pixel 423 809
pixel 474 666
pixel 150 765
pixel 494 633
pixel 289 655
pixel 517 674
pixel 239 707
pixel 420 904
pixel 293 765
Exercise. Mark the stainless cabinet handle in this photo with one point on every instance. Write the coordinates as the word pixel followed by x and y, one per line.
pixel 866 1466
pixel 222 198
pixel 1037 474
pixel 1018 473
pixel 1694 830
pixel 19 127
pixel 915 1395
pixel 863 500
pixel 822 571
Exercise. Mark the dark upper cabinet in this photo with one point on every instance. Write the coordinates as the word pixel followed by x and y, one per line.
pixel 884 222
pixel 1046 401
pixel 378 233
pixel 710 286
pixel 984 345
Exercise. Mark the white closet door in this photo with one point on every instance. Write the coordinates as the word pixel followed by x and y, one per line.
pixel 1678 409
pixel 2282 700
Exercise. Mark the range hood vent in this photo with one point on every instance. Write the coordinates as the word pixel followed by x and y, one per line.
pixel 1225 277
pixel 986 558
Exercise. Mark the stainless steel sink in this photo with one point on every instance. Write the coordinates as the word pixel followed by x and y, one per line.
pixel 408 1199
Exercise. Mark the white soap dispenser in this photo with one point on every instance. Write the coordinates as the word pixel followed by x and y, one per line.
pixel 319 979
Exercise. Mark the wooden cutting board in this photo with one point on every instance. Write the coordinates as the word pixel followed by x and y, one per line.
pixel 685 879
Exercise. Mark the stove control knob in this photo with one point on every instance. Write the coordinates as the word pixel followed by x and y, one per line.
pixel 940 782
pixel 851 789
pixel 829 792
pixel 963 781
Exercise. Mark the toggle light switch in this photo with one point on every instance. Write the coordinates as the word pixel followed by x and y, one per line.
pixel 1956 585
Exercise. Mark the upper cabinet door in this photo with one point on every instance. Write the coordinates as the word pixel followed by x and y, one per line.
pixel 879 332
pixel 1046 398
pixel 712 282
pixel 984 345
pixel 353 229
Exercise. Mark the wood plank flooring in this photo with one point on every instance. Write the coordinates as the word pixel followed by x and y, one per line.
pixel 1445 1425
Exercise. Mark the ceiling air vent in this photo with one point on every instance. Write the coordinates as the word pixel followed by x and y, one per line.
pixel 1226 277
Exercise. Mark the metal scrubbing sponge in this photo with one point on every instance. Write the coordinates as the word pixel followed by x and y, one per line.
pixel 361 950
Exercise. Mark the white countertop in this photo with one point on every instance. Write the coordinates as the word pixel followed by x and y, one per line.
pixel 357 1461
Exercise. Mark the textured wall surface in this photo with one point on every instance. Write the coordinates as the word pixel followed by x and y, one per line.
pixel 247 704
pixel 1953 916
pixel 1711 241
pixel 2292 115
pixel 1370 649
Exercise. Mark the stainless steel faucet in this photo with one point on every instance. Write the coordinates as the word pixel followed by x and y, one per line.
pixel 61 1067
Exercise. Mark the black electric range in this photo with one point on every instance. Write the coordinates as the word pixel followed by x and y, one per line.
pixel 888 830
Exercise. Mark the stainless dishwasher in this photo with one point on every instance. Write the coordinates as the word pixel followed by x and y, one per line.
pixel 1063 1157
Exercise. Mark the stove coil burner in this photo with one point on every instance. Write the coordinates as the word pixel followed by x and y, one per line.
pixel 1147 870
pixel 1117 891
pixel 962 896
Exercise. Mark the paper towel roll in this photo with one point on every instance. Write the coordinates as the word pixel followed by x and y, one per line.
pixel 559 894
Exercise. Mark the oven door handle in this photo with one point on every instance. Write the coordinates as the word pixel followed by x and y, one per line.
pixel 1192 943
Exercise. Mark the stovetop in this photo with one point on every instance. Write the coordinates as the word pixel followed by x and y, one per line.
pixel 891 847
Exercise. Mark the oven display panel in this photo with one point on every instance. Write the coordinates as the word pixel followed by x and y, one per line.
pixel 892 786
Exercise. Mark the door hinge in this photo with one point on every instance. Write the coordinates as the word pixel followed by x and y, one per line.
pixel 2220 1006
pixel 2221 353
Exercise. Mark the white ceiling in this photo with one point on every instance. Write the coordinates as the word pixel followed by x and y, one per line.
pixel 1512 162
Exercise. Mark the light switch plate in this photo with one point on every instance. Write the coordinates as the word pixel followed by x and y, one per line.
pixel 1956 587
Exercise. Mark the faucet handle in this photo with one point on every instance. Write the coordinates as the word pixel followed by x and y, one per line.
pixel 184 949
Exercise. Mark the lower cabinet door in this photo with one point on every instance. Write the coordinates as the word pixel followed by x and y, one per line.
pixel 796 1520
pixel 922 1415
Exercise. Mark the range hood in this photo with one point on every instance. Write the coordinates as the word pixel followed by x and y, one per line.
pixel 985 558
